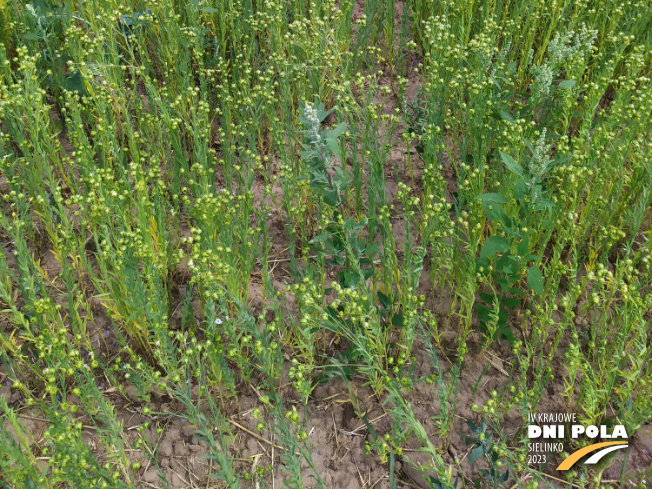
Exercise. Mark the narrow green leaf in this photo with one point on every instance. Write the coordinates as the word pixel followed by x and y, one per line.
pixel 493 79
pixel 505 115
pixel 500 198
pixel 511 164
pixel 529 145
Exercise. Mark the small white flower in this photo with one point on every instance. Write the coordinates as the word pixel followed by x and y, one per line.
pixel 218 321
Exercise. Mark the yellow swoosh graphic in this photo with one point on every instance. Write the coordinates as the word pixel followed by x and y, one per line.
pixel 574 457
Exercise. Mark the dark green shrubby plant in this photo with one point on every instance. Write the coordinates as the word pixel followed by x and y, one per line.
pixel 483 446
pixel 341 239
pixel 506 256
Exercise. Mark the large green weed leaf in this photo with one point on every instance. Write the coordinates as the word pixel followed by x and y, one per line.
pixel 496 212
pixel 476 453
pixel 493 197
pixel 535 279
pixel 494 245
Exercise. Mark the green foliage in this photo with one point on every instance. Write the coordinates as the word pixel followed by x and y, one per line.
pixel 319 147
pixel 483 447
pixel 178 228
pixel 130 24
pixel 507 258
